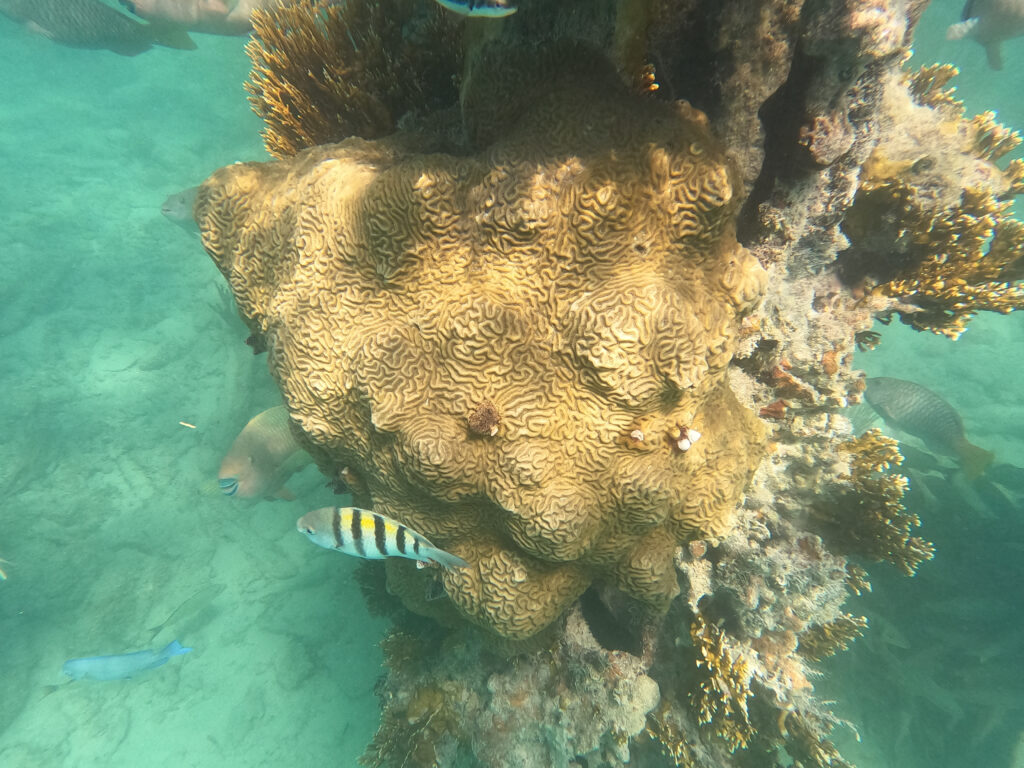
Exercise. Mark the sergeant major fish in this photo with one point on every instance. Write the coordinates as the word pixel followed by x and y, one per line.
pixel 920 412
pixel 494 9
pixel 92 24
pixel 371 535
pixel 121 666
pixel 990 22
pixel 262 458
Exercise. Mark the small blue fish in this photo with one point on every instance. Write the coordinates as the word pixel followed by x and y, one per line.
pixel 493 9
pixel 120 666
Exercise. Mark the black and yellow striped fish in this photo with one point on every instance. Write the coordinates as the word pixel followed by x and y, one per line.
pixel 367 534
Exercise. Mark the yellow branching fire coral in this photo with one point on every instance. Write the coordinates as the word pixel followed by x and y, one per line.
pixel 939 259
pixel 323 71
pixel 806 745
pixel 723 693
pixel 823 640
pixel 579 276
pixel 868 517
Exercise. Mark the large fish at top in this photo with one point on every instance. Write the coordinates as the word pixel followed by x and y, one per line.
pixel 493 9
pixel 920 412
pixel 213 17
pixel 92 24
pixel 989 22
pixel 262 458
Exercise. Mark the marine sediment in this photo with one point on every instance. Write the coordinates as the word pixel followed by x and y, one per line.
pixel 551 327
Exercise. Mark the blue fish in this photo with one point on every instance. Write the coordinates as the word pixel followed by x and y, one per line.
pixel 120 666
pixel 493 9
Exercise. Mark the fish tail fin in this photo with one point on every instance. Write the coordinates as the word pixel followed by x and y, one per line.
pixel 444 559
pixel 974 460
pixel 961 29
pixel 174 648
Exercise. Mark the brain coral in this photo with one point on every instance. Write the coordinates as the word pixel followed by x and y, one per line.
pixel 506 350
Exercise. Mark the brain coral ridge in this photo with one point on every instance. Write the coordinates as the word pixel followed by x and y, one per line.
pixel 578 277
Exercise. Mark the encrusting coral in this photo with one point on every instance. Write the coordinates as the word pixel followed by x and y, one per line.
pixel 942 257
pixel 323 71
pixel 579 276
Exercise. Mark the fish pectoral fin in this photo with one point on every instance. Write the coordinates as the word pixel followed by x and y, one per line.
pixel 283 494
pixel 171 36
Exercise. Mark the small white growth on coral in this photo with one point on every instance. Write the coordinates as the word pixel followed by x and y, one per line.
pixel 637 435
pixel 687 438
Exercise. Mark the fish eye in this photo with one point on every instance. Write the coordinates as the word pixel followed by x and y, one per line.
pixel 308 530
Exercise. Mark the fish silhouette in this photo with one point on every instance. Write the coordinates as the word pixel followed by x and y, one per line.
pixel 92 24
pixel 121 666
pixel 918 411
pixel 990 22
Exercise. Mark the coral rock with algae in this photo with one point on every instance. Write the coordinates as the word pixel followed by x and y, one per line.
pixel 929 227
pixel 579 276
pixel 867 516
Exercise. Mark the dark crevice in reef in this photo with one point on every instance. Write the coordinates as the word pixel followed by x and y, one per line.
pixel 612 630
pixel 686 63
pixel 782 115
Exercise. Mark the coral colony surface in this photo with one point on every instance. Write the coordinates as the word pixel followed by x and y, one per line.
pixel 575 295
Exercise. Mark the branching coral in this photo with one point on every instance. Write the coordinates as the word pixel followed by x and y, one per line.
pixel 722 695
pixel 868 517
pixel 805 743
pixel 823 640
pixel 941 258
pixel 323 71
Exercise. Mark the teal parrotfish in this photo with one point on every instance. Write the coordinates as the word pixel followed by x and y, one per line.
pixel 493 9
pixel 121 666
pixel 371 535
pixel 262 458
pixel 990 22
pixel 918 411
pixel 92 24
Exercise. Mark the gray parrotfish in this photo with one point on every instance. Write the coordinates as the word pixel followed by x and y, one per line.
pixel 920 412
pixel 121 666
pixel 371 535
pixel 178 209
pixel 493 9
pixel 262 458
pixel 92 24
pixel 989 22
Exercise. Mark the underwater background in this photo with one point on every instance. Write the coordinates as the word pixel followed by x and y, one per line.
pixel 115 327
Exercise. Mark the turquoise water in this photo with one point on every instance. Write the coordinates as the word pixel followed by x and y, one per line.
pixel 113 330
